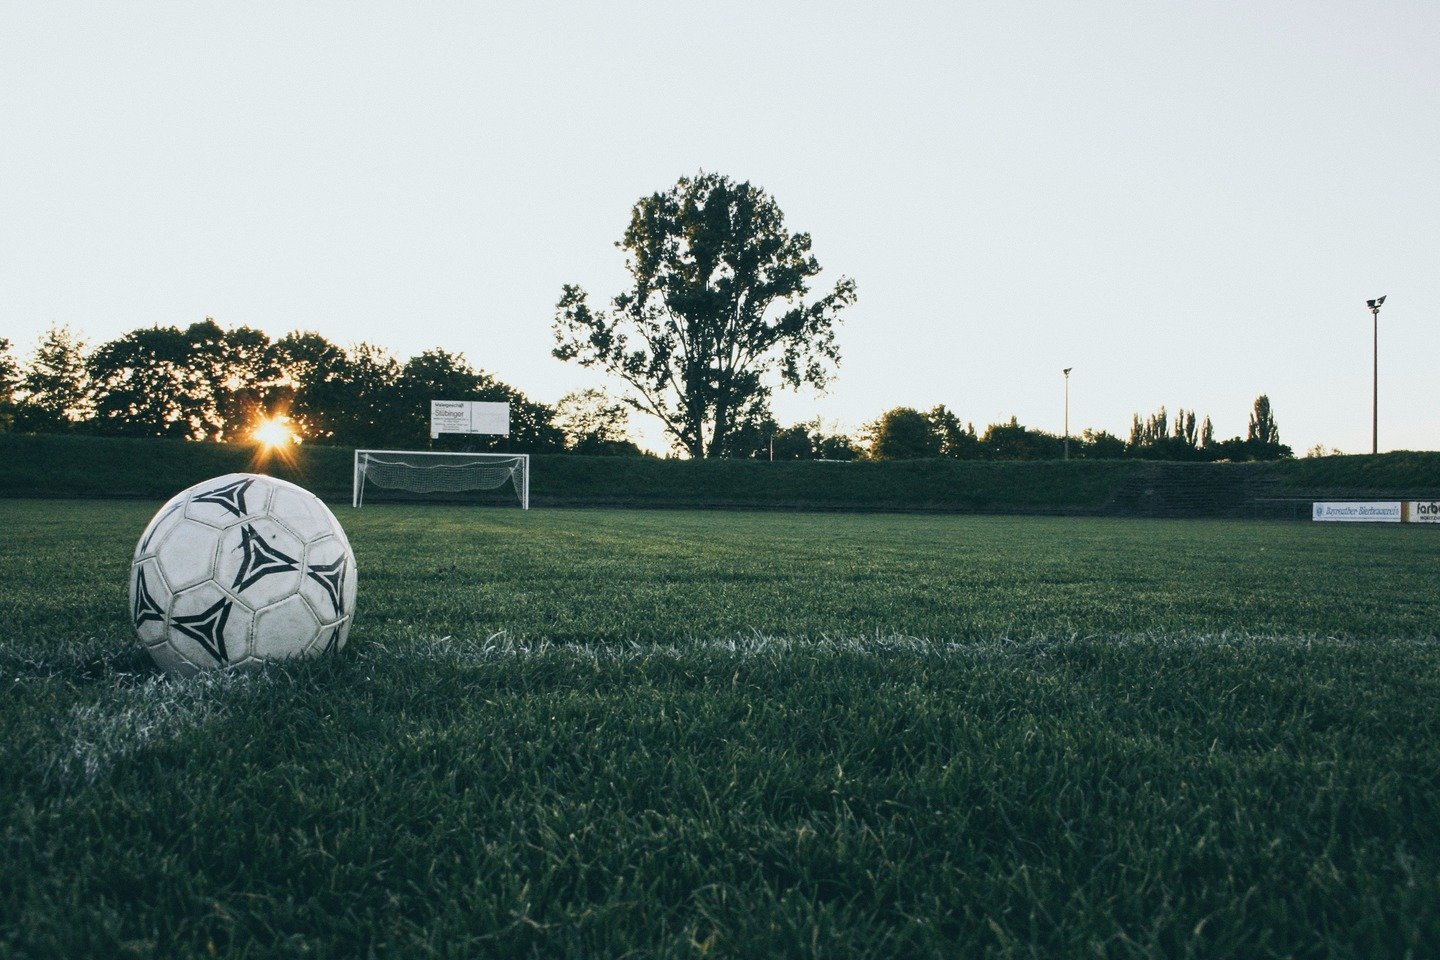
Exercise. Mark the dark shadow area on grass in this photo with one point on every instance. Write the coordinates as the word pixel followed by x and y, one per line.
pixel 81 664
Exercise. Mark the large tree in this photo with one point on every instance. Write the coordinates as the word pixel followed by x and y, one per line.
pixel 956 439
pixel 1012 440
pixel 903 433
pixel 1262 439
pixel 717 313
pixel 313 379
pixel 1262 429
pixel 241 370
pixel 144 385
pixel 364 398
pixel 199 383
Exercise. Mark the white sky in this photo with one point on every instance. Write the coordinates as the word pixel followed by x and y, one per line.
pixel 1189 203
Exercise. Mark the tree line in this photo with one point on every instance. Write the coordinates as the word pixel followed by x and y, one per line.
pixel 204 382
pixel 905 433
pixel 718 315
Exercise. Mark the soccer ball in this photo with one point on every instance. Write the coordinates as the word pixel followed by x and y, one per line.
pixel 241 570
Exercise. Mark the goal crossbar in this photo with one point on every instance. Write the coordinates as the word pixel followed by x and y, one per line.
pixel 429 471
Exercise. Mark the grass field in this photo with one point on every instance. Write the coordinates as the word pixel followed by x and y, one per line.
pixel 583 733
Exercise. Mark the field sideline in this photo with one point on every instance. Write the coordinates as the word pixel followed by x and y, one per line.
pixel 587 733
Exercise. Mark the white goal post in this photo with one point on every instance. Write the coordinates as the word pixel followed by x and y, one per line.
pixel 426 471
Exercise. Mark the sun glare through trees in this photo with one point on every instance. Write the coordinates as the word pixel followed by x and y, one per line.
pixel 274 432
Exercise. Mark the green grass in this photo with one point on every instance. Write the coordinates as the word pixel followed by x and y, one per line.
pixel 1405 472
pixel 576 733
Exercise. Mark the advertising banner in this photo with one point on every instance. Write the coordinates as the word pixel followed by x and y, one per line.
pixel 489 417
pixel 449 416
pixel 1356 511
pixel 1422 511
pixel 469 416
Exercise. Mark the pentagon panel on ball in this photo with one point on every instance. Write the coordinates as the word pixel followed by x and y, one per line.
pixel 241 570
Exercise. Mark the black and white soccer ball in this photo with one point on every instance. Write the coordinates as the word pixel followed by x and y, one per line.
pixel 241 570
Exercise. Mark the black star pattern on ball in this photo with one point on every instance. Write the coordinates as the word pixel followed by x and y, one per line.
pixel 331 640
pixel 207 627
pixel 145 606
pixel 231 496
pixel 331 576
pixel 260 560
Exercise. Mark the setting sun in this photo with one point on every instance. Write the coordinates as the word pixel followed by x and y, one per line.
pixel 274 432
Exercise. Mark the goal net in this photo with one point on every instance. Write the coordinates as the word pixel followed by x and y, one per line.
pixel 425 472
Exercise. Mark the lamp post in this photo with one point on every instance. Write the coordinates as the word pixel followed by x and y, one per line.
pixel 1374 306
pixel 1066 371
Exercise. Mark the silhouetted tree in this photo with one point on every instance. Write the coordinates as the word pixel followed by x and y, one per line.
pixel 808 440
pixel 834 446
pixel 312 382
pixel 750 432
pixel 143 385
pixel 1012 441
pixel 366 409
pixel 200 383
pixel 434 375
pixel 794 443
pixel 1100 445
pixel 1156 438
pixel 1262 438
pixel 245 376
pixel 53 392
pixel 1186 430
pixel 903 433
pixel 956 440
pixel 1147 437
pixel 594 423
pixel 1263 429
pixel 9 381
pixel 716 314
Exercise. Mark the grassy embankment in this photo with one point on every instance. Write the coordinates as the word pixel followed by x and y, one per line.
pixel 154 469
pixel 581 733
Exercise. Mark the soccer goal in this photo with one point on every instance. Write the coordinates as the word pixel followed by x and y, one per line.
pixel 423 471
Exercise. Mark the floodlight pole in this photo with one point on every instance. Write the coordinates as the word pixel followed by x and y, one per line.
pixel 1374 306
pixel 1066 371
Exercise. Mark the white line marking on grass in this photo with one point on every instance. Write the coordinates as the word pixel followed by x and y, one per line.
pixel 95 736
pixel 500 646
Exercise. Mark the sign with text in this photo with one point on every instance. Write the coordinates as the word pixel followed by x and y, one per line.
pixel 469 416
pixel 1422 511
pixel 1356 511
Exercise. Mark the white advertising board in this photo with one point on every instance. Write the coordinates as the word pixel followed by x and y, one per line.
pixel 1422 511
pixel 489 417
pixel 469 416
pixel 1357 511
pixel 449 416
